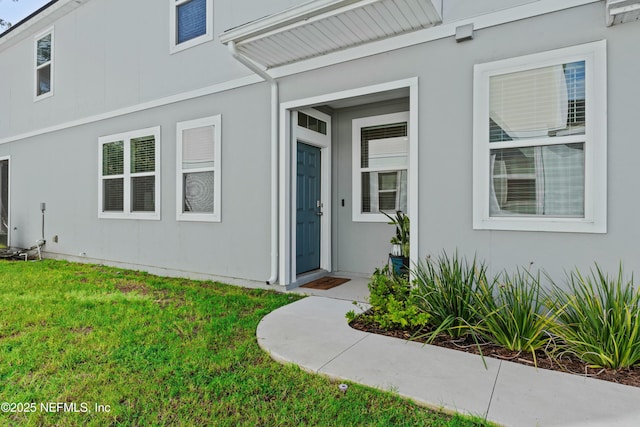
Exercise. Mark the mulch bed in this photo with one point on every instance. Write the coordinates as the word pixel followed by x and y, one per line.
pixel 563 363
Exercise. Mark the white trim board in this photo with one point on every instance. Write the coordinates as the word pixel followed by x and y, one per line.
pixel 214 122
pixel 356 170
pixel 324 143
pixel 174 46
pixel 285 267
pixel 594 219
pixel 185 96
pixel 51 64
pixel 8 158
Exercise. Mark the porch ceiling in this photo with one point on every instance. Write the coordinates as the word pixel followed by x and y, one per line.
pixel 320 27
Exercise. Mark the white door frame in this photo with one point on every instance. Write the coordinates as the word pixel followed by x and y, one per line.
pixel 287 150
pixel 316 139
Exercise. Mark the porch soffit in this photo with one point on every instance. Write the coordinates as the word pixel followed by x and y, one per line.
pixel 320 27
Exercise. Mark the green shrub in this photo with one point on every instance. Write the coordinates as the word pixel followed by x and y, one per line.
pixel 599 319
pixel 447 289
pixel 512 313
pixel 392 303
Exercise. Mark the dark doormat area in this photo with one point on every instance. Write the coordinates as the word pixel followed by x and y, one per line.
pixel 325 283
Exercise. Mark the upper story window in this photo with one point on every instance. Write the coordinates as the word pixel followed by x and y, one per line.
pixel 191 23
pixel 380 149
pixel 129 184
pixel 198 172
pixel 540 142
pixel 44 65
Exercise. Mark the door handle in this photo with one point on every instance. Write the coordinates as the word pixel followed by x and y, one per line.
pixel 318 207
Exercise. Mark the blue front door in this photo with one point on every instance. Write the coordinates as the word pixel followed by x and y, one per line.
pixel 308 208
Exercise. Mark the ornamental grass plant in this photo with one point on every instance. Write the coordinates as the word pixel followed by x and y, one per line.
pixel 598 318
pixel 512 313
pixel 595 318
pixel 447 288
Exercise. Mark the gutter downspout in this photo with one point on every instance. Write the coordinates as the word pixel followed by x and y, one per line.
pixel 274 154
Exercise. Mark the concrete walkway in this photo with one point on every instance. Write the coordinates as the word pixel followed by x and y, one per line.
pixel 313 333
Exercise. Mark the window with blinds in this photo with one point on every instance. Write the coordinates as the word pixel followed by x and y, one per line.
pixel 191 23
pixel 540 135
pixel 198 177
pixel 191 17
pixel 4 203
pixel 381 162
pixel 44 64
pixel 113 176
pixel 129 178
pixel 545 177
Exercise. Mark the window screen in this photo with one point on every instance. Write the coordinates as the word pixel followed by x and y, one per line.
pixel 129 175
pixel 198 169
pixel 547 177
pixel 44 50
pixel 191 20
pixel 384 161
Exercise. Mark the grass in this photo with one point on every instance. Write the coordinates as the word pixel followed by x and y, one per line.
pixel 160 351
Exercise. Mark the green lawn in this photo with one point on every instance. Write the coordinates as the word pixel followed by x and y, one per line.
pixel 160 351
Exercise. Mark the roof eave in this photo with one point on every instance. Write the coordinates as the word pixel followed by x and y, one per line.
pixel 47 14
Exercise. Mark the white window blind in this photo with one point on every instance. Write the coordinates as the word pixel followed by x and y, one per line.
pixel 191 23
pixel 384 164
pixel 529 103
pixel 545 179
pixel 198 147
pixel 198 169
pixel 113 176
pixel 198 153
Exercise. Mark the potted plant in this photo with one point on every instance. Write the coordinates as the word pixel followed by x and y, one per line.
pixel 400 250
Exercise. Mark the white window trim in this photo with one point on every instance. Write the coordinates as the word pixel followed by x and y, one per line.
pixel 595 140
pixel 174 46
pixel 36 67
pixel 284 164
pixel 8 158
pixel 356 126
pixel 214 121
pixel 127 137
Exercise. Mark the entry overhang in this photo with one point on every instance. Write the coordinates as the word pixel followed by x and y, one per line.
pixel 320 27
